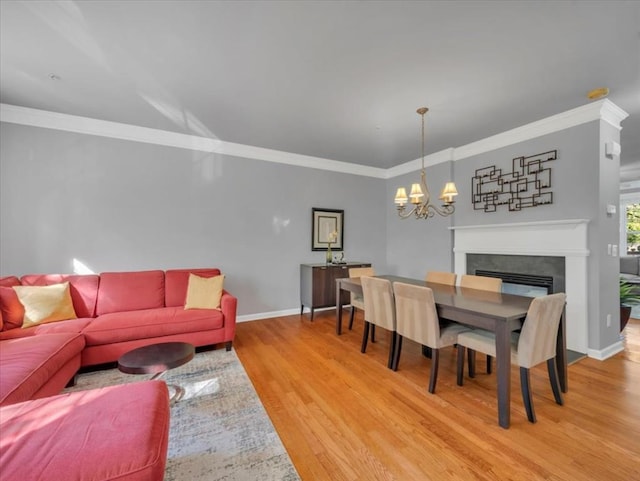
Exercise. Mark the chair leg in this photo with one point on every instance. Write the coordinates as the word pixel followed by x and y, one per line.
pixel 353 310
pixel 488 364
pixel 555 382
pixel 396 356
pixel 434 370
pixel 472 362
pixel 527 398
pixel 365 336
pixel 460 366
pixel 392 349
pixel 373 333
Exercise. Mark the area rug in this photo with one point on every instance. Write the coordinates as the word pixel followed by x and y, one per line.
pixel 219 428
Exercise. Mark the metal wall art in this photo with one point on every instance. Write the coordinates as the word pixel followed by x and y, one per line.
pixel 527 185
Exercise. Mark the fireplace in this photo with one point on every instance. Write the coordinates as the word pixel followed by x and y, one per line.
pixel 521 284
pixel 556 249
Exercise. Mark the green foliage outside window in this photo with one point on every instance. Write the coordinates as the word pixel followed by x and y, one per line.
pixel 633 228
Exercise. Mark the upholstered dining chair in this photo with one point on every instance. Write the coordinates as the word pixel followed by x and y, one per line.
pixel 447 278
pixel 535 344
pixel 357 302
pixel 483 283
pixel 379 310
pixel 417 319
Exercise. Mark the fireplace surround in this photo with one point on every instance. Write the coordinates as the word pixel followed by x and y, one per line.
pixel 549 248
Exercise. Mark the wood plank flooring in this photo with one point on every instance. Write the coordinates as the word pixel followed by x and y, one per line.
pixel 343 415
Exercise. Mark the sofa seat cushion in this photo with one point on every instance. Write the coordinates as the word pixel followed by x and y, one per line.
pixel 119 432
pixel 69 326
pixel 148 323
pixel 28 363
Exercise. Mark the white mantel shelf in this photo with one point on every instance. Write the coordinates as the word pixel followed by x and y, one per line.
pixel 522 224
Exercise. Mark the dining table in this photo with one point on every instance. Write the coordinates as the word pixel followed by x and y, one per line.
pixel 494 311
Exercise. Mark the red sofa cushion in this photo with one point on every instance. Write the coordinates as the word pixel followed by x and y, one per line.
pixel 166 321
pixel 29 362
pixel 68 326
pixel 11 308
pixel 119 432
pixel 84 289
pixel 130 291
pixel 9 281
pixel 177 281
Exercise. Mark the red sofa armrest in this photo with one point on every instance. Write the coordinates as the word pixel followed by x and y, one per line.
pixel 228 306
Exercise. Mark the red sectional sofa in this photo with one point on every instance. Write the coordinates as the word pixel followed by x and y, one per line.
pixel 119 432
pixel 114 433
pixel 116 312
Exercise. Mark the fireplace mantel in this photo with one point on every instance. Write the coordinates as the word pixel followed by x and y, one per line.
pixel 563 238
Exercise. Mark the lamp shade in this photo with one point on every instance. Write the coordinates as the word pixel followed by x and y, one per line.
pixel 449 192
pixel 401 196
pixel 416 191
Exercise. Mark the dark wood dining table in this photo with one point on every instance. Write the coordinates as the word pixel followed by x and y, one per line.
pixel 497 312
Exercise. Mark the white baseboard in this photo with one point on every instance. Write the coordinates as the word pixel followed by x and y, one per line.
pixel 607 352
pixel 286 312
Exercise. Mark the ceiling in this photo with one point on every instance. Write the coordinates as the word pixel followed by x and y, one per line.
pixel 335 80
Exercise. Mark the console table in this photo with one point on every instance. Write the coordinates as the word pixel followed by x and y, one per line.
pixel 318 284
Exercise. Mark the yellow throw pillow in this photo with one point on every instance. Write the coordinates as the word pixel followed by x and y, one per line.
pixel 44 304
pixel 204 292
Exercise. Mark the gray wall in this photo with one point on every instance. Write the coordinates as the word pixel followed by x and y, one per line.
pixel 583 182
pixel 120 205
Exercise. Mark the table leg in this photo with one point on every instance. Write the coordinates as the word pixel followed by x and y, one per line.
pixel 338 308
pixel 503 373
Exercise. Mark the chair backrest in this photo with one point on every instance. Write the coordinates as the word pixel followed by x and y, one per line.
pixel 361 271
pixel 539 333
pixel 493 284
pixel 379 303
pixel 448 278
pixel 416 315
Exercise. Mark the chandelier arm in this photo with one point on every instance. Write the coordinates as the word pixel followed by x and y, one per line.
pixel 403 215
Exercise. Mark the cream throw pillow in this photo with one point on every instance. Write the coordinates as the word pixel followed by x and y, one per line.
pixel 44 304
pixel 204 292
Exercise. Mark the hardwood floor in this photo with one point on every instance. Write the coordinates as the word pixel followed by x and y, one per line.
pixel 343 415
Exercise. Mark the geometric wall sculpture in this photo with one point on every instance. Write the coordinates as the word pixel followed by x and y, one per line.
pixel 527 185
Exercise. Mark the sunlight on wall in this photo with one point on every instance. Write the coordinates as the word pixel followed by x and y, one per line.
pixel 81 268
pixel 279 224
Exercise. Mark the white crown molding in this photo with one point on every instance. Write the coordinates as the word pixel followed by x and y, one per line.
pixel 602 109
pixel 104 128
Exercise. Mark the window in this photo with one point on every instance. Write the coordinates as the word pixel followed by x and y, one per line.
pixel 632 228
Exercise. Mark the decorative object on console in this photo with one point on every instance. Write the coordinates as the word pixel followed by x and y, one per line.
pixel 327 231
pixel 420 196
pixel 527 185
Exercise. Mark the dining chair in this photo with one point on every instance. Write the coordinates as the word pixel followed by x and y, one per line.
pixel 417 319
pixel 447 278
pixel 535 344
pixel 357 301
pixel 379 310
pixel 483 283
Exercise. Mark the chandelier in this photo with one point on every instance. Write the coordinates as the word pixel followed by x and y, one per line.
pixel 420 197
